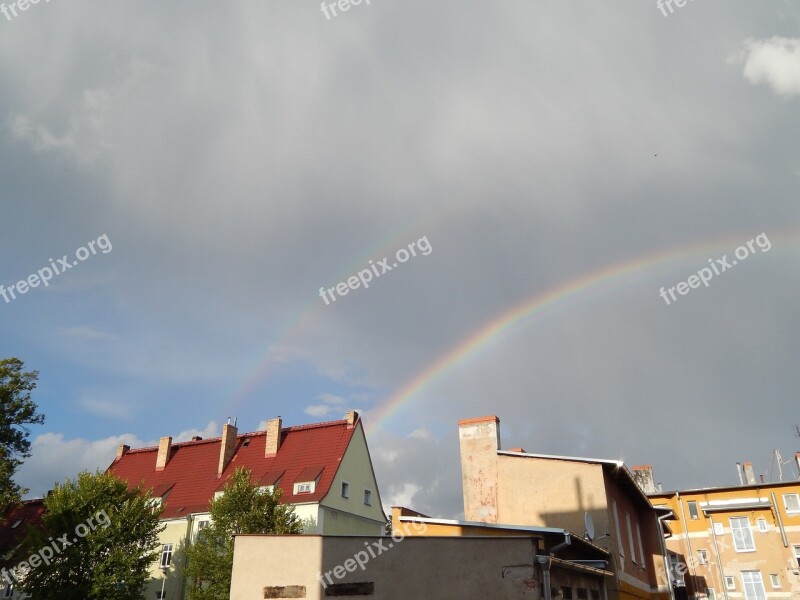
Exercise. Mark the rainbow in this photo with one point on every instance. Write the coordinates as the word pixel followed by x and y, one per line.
pixel 563 296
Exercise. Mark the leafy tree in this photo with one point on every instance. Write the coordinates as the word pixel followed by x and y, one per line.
pixel 101 538
pixel 243 508
pixel 17 410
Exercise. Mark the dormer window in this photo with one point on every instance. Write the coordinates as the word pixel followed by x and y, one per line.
pixel 16 524
pixel 305 487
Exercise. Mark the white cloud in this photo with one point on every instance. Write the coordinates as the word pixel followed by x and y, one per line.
pixel 106 408
pixel 211 430
pixel 775 61
pixel 317 410
pixel 85 332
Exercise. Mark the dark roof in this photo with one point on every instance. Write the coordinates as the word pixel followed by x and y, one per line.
pixel 16 523
pixel 191 472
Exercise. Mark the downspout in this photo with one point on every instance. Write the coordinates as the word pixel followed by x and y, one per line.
pixel 544 563
pixel 780 521
pixel 567 541
pixel 719 560
pixel 664 555
pixel 688 542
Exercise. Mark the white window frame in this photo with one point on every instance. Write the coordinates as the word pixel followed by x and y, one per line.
pixel 702 557
pixel 775 581
pixel 763 526
pixel 641 546
pixel 719 528
pixel 753 586
pixel 796 549
pixel 166 555
pixel 304 487
pixel 264 489
pixel 739 538
pixel 345 489
pixel 693 514
pixel 620 545
pixel 796 498
pixel 630 536
pixel 730 583
pixel 367 497
pixel 711 593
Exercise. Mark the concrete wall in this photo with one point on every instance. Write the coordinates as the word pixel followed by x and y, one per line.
pixel 414 568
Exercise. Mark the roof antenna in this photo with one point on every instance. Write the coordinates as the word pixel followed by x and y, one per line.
pixel 235 420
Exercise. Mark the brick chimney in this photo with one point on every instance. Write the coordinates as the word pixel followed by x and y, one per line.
pixel 351 417
pixel 273 437
pixel 227 447
pixel 164 447
pixel 479 441
pixel 122 450
pixel 643 476
pixel 749 477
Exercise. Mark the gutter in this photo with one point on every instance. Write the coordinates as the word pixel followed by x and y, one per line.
pixel 567 542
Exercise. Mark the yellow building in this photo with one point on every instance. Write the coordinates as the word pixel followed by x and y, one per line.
pixel 573 493
pixel 737 542
pixel 324 471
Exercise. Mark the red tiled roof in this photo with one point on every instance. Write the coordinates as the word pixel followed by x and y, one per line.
pixel 28 514
pixel 192 467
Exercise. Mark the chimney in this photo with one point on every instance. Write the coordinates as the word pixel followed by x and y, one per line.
pixel 164 447
pixel 227 447
pixel 747 468
pixel 273 437
pixel 643 476
pixel 196 438
pixel 352 417
pixel 122 450
pixel 479 440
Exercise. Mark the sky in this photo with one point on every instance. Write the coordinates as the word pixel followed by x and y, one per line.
pixel 544 201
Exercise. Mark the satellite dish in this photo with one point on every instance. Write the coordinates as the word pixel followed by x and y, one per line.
pixel 589 524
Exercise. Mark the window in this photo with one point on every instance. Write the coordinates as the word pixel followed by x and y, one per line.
pixel 302 488
pixel 566 593
pixel 345 489
pixel 166 555
pixel 702 557
pixel 17 524
pixel 595 594
pixel 266 489
pixel 719 529
pixel 9 590
pixel 159 595
pixel 730 583
pixel 753 586
pixel 639 539
pixel 797 554
pixel 792 503
pixel 582 594
pixel 711 593
pixel 368 497
pixel 620 547
pixel 762 525
pixel 742 536
pixel 693 514
pixel 775 581
pixel 630 535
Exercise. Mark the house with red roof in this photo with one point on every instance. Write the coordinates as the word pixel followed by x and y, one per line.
pixel 14 526
pixel 323 470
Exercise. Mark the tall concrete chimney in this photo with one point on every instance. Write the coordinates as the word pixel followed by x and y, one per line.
pixel 479 441
pixel 164 448
pixel 122 450
pixel 351 417
pixel 273 437
pixel 643 476
pixel 747 468
pixel 227 447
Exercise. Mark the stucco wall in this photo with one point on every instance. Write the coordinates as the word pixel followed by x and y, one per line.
pixel 412 569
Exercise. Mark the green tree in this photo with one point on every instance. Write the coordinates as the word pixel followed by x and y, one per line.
pixel 99 538
pixel 17 411
pixel 243 508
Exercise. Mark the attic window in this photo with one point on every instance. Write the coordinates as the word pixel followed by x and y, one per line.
pixel 17 524
pixel 246 442
pixel 303 488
